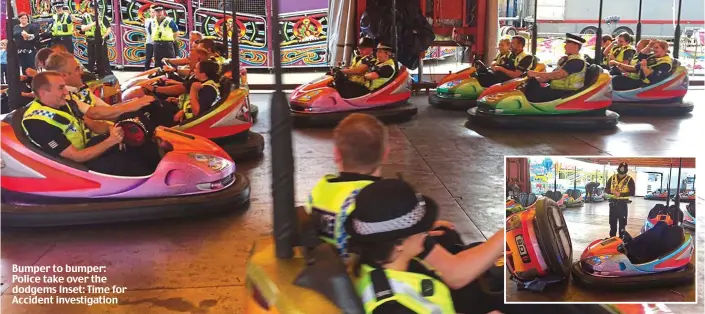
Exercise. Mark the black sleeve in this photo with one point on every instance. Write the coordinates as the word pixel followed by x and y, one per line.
pixel 17 33
pixel 574 66
pixel 660 72
pixel 428 245
pixel 106 22
pixel 69 19
pixel 525 64
pixel 629 54
pixel 392 307
pixel 385 71
pixel 47 136
pixel 206 98
pixel 608 190
pixel 631 187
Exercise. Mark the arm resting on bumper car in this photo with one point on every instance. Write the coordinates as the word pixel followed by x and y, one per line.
pixel 88 153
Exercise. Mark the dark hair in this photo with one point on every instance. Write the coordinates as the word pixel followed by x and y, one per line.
pixel 21 14
pixel 42 56
pixel 374 254
pixel 520 39
pixel 208 44
pixel 41 81
pixel 626 37
pixel 607 37
pixel 210 69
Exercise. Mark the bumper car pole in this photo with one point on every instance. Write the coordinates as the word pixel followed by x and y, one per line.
pixel 235 42
pixel 668 186
pixel 575 178
pixel 638 23
pixel 535 29
pixel 285 219
pixel 598 40
pixel 13 63
pixel 678 185
pixel 98 41
pixel 677 36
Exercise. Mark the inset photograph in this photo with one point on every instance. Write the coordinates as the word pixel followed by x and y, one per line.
pixel 600 229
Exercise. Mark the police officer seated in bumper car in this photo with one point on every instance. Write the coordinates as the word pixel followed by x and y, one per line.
pixel 388 230
pixel 510 67
pixel 203 93
pixel 361 62
pixel 565 80
pixel 175 86
pixel 376 76
pixel 619 51
pixel 57 126
pixel 654 65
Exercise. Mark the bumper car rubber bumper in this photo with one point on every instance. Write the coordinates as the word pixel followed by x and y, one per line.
pixel 236 196
pixel 606 120
pixel 688 224
pixel 396 113
pixel 242 146
pixel 451 103
pixel 685 275
pixel 652 108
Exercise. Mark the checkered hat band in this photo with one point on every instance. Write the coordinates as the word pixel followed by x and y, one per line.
pixel 400 223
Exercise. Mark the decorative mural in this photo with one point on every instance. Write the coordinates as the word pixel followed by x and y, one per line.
pixel 305 39
pixel 254 49
pixel 132 16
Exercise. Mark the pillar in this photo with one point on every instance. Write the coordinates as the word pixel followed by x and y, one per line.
pixel 492 30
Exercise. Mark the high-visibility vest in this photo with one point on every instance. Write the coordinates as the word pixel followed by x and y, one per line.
pixel 358 61
pixel 162 31
pixel 185 99
pixel 621 186
pixel 654 61
pixel 330 203
pixel 573 81
pixel 417 292
pixel 501 58
pixel 71 127
pixel 61 23
pixel 91 31
pixel 633 62
pixel 377 83
pixel 521 56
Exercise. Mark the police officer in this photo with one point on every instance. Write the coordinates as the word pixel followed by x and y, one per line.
pixel 621 186
pixel 62 27
pixel 88 28
pixel 566 79
pixel 655 67
pixel 511 66
pixel 163 32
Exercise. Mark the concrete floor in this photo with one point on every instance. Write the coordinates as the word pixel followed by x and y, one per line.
pixel 197 265
pixel 589 223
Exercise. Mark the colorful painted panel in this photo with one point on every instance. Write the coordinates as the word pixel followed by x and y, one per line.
pixel 254 49
pixel 305 39
pixel 132 16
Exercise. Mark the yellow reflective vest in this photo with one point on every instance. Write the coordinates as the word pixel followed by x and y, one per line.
pixel 621 186
pixel 329 204
pixel 501 58
pixel 71 127
pixel 377 83
pixel 652 62
pixel 185 99
pixel 162 31
pixel 88 18
pixel 356 62
pixel 417 292
pixel 62 27
pixel 573 81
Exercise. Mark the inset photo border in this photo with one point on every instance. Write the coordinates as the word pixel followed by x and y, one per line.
pixel 597 229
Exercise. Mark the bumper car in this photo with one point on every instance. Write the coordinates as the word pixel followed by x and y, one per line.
pixel 319 103
pixel 524 201
pixel 689 216
pixel 573 198
pixel 687 197
pixel 598 196
pixel 227 123
pixel 155 78
pixel 661 256
pixel 539 249
pixel 194 177
pixel 665 97
pixel 657 196
pixel 460 90
pixel 106 88
pixel 505 105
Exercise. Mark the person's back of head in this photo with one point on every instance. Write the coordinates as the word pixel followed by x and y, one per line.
pixel 207 44
pixel 41 58
pixel 57 61
pixel 360 143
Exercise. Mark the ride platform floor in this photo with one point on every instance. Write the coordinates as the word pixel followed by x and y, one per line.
pixel 589 223
pixel 197 265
